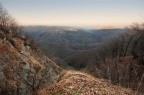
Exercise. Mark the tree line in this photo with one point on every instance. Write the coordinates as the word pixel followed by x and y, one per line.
pixel 122 58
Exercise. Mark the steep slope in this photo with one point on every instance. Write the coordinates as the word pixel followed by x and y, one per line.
pixel 76 83
pixel 24 69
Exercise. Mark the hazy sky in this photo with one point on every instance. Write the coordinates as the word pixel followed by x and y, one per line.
pixel 115 13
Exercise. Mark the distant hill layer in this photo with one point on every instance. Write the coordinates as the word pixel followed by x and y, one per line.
pixel 65 41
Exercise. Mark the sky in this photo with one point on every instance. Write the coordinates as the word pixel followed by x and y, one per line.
pixel 92 13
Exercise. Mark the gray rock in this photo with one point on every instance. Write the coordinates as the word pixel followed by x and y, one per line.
pixel 24 53
pixel 2 78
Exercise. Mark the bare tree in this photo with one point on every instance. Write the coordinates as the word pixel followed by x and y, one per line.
pixel 8 23
pixel 124 59
pixel 34 78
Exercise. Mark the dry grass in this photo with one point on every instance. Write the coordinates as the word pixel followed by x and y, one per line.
pixel 76 83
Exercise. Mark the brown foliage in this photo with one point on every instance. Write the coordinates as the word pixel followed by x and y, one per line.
pixel 124 59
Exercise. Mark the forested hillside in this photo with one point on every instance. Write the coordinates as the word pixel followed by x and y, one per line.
pixel 26 70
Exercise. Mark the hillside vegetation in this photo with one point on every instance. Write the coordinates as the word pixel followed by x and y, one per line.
pixel 26 70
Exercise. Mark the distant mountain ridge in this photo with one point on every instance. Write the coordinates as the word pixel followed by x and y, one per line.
pixel 62 42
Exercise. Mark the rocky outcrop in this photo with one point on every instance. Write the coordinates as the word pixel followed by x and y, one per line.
pixel 24 70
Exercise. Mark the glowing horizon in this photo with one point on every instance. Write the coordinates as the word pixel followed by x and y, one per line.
pixel 91 13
